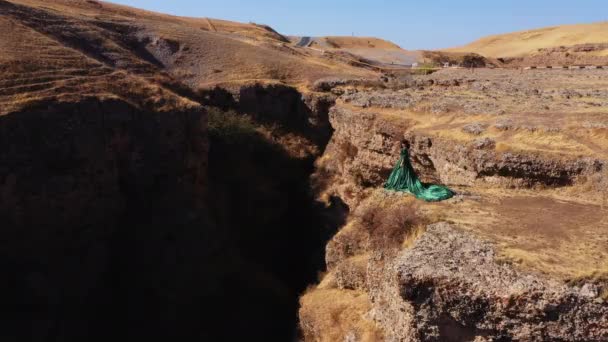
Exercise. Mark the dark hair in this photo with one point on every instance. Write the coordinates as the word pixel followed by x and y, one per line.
pixel 405 144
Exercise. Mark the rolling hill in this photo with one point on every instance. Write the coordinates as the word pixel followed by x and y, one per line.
pixel 99 37
pixel 529 42
pixel 373 49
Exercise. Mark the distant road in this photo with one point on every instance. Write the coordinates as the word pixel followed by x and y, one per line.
pixel 304 41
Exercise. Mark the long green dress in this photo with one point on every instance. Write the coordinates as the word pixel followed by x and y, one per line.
pixel 404 178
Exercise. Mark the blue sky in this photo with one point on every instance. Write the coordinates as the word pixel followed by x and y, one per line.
pixel 411 24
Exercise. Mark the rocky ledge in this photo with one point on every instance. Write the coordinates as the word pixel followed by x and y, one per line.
pixel 365 144
pixel 461 292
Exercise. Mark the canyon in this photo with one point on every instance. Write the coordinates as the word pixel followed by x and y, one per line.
pixel 150 189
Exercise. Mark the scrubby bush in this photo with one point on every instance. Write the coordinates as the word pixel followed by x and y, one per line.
pixel 346 150
pixel 229 126
pixel 425 69
pixel 473 61
pixel 388 227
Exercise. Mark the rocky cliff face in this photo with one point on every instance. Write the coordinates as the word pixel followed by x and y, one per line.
pixel 259 182
pixel 362 153
pixel 92 193
pixel 110 228
pixel 279 105
pixel 404 280
pixel 84 163
pixel 459 292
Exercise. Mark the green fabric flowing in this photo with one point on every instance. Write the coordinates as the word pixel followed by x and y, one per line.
pixel 404 179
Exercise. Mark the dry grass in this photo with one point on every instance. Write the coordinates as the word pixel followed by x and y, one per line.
pixel 146 43
pixel 337 315
pixel 66 50
pixel 388 226
pixel 413 235
pixel 527 42
pixel 337 309
pixel 36 67
pixel 551 231
pixel 380 223
pixel 369 49
pixel 344 42
pixel 572 127
pixel 561 232
pixel 600 279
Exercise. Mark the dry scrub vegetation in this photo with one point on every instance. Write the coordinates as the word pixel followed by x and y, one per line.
pixel 338 309
pixel 383 222
pixel 389 225
pixel 337 315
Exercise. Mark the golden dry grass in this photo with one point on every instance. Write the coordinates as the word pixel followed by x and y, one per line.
pixel 561 232
pixel 389 221
pixel 574 141
pixel 369 48
pixel 338 308
pixel 343 42
pixel 558 232
pixel 571 128
pixel 38 65
pixel 328 315
pixel 35 68
pixel 415 233
pixel 198 51
pixel 527 42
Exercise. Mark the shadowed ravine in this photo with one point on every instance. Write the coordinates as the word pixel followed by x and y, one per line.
pixel 147 230
pixel 262 196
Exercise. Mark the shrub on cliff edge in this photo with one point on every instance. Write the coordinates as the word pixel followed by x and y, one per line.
pixel 389 223
pixel 229 126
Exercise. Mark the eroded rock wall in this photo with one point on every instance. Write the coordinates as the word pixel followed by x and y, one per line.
pixel 79 164
pixel 449 285
pixel 100 203
pixel 459 292
pixel 365 146
pixel 109 229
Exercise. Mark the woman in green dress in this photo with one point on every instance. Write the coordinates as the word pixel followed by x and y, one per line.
pixel 404 179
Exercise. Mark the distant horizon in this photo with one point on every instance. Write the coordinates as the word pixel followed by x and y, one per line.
pixel 445 47
pixel 435 26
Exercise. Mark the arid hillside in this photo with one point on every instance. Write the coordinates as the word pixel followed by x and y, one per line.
pixel 370 48
pixel 199 52
pixel 386 55
pixel 344 42
pixel 528 42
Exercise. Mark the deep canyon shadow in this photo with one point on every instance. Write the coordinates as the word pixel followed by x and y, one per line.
pixel 105 236
pixel 263 197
